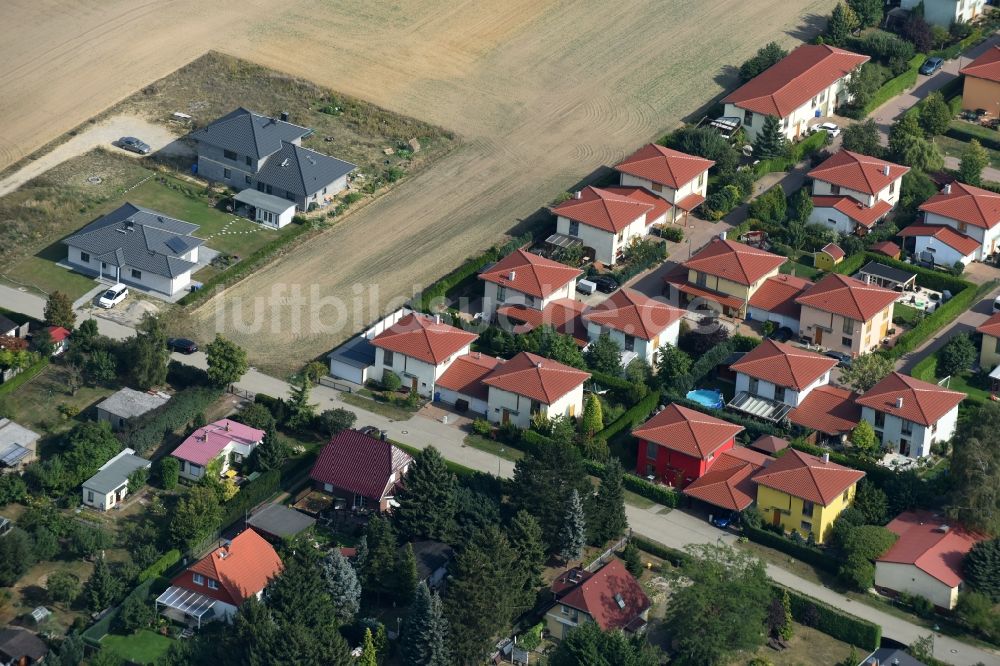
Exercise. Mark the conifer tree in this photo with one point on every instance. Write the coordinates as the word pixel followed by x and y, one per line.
pixel 843 21
pixel 593 416
pixel 301 412
pixel 526 538
pixel 572 535
pixel 606 518
pixel 368 656
pixel 103 588
pixel 425 635
pixel 343 586
pixel 380 562
pixel 771 142
pixel 427 501
pixel 405 578
pixel 545 479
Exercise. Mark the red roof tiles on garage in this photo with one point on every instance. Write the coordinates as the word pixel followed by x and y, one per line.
pixel 808 477
pixel 965 203
pixel 986 66
pixel 664 165
pixel 465 374
pixel 783 365
pixel 530 274
pixel 536 377
pixel 688 431
pixel 858 172
pixel 923 543
pixel 634 313
pixel 734 261
pixel 727 484
pixel 847 297
pixel 778 294
pixel 922 402
pixel 603 209
pixel 420 337
pixel 828 409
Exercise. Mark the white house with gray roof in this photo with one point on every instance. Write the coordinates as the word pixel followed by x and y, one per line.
pixel 137 246
pixel 246 150
pixel 109 486
pixel 17 446
pixel 119 408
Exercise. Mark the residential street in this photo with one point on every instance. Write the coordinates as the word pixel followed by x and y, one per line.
pixel 965 323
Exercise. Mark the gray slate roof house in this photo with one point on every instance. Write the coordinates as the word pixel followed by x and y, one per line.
pixel 7 327
pixel 20 646
pixel 138 246
pixel 247 133
pixel 110 485
pixel 277 521
pixel 17 445
pixel 118 408
pixel 302 171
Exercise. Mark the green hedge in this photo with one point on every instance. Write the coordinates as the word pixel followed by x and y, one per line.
pixel 955 49
pixel 896 85
pixel 656 549
pixel 23 377
pixel 945 313
pixel 251 493
pixel 620 389
pixel 93 635
pixel 652 491
pixel 966 132
pixel 926 277
pixel 798 152
pixel 148 431
pixel 632 417
pixel 833 621
pixel 952 89
pixel 801 551
pixel 926 369
pixel 157 568
pixel 852 264
pixel 631 269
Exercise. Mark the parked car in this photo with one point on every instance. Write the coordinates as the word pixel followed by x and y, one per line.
pixel 783 334
pixel 996 304
pixel 931 66
pixel 182 345
pixel 606 284
pixel 113 296
pixel 134 145
pixel 831 129
pixel 843 360
pixel 725 520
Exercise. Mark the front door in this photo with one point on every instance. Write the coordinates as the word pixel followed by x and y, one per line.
pixel 413 384
pixel 819 336
pixel 885 328
pixel 505 418
pixel 776 519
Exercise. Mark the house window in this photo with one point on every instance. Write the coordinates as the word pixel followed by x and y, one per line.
pixel 701 179
pixel 748 118
pixel 229 154
pixel 963 227
pixel 213 584
pixel 198 579
pixel 879 419
pixel 848 327
pixel 785 124
pixel 247 179
pixel 822 97
pixel 268 189
pixel 754 386
pixel 806 526
pixel 847 495
pixel 701 279
pixel 387 358
pixel 779 393
pixel 657 187
pixel 629 343
pixel 814 100
pixel 834 189
pixel 807 508
pixel 248 161
pixel 137 274
pixel 359 501
pixel 651 449
pixel 535 406
pixel 996 345
pixel 90 496
pixel 574 228
pixel 194 470
pixel 226 173
pixel 621 236
pixel 324 190
pixel 892 187
pixel 847 342
pixel 906 427
pixel 84 257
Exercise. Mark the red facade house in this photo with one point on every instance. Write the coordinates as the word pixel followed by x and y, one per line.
pixel 678 445
pixel 360 469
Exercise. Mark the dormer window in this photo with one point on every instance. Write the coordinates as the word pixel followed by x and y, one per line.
pixel 198 579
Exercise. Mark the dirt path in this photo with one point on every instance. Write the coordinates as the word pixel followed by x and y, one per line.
pixel 541 92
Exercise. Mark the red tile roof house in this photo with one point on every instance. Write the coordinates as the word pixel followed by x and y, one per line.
pixel 808 83
pixel 723 272
pixel 775 301
pixel 462 385
pixel 830 412
pixel 678 178
pixel 523 278
pixel 729 485
pixel 530 384
pixel 926 560
pixel 939 244
pixel 773 378
pixel 638 324
pixel 981 88
pixel 970 211
pixel 214 587
pixel 852 192
pixel 846 314
pixel 361 470
pixel 418 349
pixel 679 445
pixel 563 314
pixel 225 440
pixel 60 339
pixel 610 596
pixel 909 415
pixel 608 219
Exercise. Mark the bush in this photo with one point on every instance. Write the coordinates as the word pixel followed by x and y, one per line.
pixel 160 566
pixel 833 622
pixel 391 381
pixel 801 551
pixel 147 432
pixel 652 491
pixel 895 85
pixel 482 427
pixel 277 406
pixel 675 234
pixel 251 494
pixel 631 418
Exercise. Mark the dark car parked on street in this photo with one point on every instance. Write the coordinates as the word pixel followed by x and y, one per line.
pixel 931 65
pixel 182 345
pixel 843 360
pixel 132 144
pixel 606 284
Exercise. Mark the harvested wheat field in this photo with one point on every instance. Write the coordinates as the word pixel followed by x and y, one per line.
pixel 540 93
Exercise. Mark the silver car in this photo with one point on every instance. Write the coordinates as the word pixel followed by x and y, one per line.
pixel 134 145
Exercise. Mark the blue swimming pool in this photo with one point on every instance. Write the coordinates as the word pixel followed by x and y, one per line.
pixel 706 397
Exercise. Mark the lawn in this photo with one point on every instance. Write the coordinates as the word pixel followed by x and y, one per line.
pixel 142 647
pixel 966 382
pixel 807 646
pixel 906 315
pixel 380 407
pixel 494 447
pixel 954 148
pixel 801 270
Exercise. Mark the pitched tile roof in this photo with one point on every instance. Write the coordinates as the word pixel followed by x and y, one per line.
pixel 359 463
pixel 858 172
pixel 991 326
pixel 423 338
pixel 834 251
pixel 986 66
pixel 597 594
pixel 728 484
pixel 249 133
pixel 532 274
pixel 57 333
pixel 864 215
pixel 660 205
pixel 563 314
pixel 807 477
pixel 888 248
pixel 301 170
pixel 769 443
pixel 466 372
pixel 243 568
pixel 634 313
pixel 690 202
pixel 139 238
pixel 930 543
pixel 687 431
pixel 734 261
pixel 922 402
pixel 778 294
pixel 959 242
pixel 828 409
pixel 207 442
pixel 847 297
pixel 536 377
pixel 664 165
pixel 965 203
pixel 784 365
pixel 602 209
pixel 795 79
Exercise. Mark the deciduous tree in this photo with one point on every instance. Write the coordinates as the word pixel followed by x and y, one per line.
pixel 227 361
pixel 863 137
pixel 604 355
pixel 59 311
pixel 672 364
pixel 975 471
pixel 866 371
pixel 588 645
pixel 15 556
pixel 974 160
pixel 872 502
pixel 869 12
pixel 169 469
pixel 956 356
pixel 864 440
pixel 766 56
pixel 935 115
pixel 195 517
pixel 334 421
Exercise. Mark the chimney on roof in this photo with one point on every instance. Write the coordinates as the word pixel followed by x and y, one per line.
pixel 577 194
pixel 899 402
pixel 513 274
pixel 885 170
pixel 227 426
pixel 947 188
pixel 284 116
pixel 722 236
pixel 826 458
pixel 943 529
pixel 538 364
pixel 437 319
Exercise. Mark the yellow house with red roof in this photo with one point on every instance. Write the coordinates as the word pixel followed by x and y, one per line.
pixel 805 493
pixel 989 350
pixel 981 89
pixel 845 314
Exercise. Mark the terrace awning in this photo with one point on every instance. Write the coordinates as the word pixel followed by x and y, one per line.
pixel 563 241
pixel 762 408
pixel 191 604
pixel 14 454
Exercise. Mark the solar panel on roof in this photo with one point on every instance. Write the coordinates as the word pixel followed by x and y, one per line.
pixel 176 244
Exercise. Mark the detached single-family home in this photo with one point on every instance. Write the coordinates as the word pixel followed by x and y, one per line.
pixel 18 446
pixel 926 560
pixel 852 192
pixel 361 470
pixel 828 256
pixel 246 150
pixel 729 484
pixel 989 350
pixel 805 493
pixel 20 647
pixel 909 414
pixel 679 178
pixel 830 412
pixel 59 337
pixel 109 486
pixel 610 596
pixel 723 272
pixel 529 384
pixel 8 328
pixel 678 445
pixel 523 278
pixel 773 378
pixel 214 587
pixel 225 440
pixel 808 83
pixel 970 211
pixel 981 89
pixel 638 324
pixel 120 408
pixel 939 244
pixel 774 300
pixel 845 314
pixel 944 13
pixel 139 247
pixel 607 220
pixel 419 349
